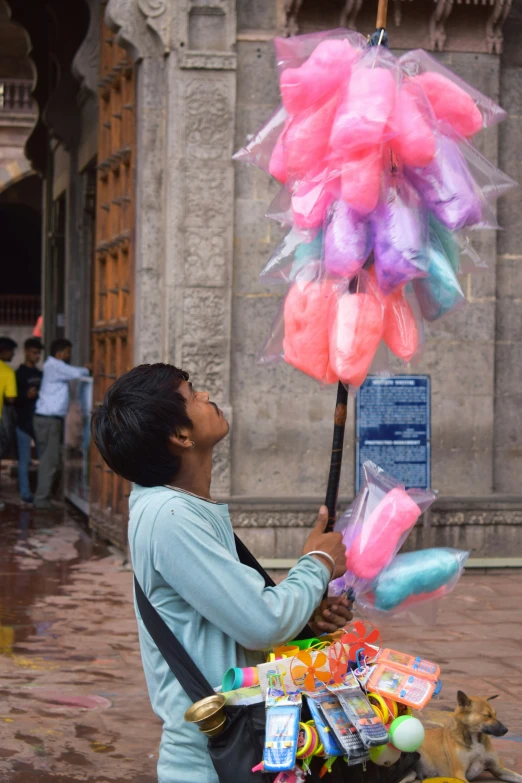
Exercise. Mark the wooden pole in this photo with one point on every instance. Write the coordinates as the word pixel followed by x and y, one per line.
pixel 334 476
pixel 382 12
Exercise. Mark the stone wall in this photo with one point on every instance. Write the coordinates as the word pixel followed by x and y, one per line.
pixel 206 80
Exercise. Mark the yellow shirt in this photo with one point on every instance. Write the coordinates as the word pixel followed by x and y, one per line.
pixel 7 383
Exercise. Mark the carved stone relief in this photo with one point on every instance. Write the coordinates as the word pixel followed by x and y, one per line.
pixel 86 61
pixel 142 26
pixel 208 118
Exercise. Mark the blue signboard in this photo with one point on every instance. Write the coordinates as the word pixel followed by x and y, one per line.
pixel 393 421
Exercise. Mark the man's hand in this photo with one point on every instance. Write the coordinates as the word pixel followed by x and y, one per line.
pixel 331 543
pixel 32 393
pixel 331 614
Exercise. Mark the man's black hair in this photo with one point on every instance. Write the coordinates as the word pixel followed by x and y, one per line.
pixel 6 344
pixel 60 344
pixel 132 427
pixel 33 342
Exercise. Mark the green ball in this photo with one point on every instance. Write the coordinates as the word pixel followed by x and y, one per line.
pixel 407 733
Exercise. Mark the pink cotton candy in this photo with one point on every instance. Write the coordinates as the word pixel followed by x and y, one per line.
pixel 328 65
pixel 414 143
pixel 400 327
pixel 309 203
pixel 450 103
pixel 365 106
pixel 305 343
pixel 375 546
pixel 356 326
pixel 361 174
pixel 306 140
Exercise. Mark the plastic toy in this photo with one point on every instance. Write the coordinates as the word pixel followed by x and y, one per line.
pixel 407 733
pixel 344 732
pixel 409 663
pixel 310 670
pixel 402 687
pixel 235 678
pixel 361 637
pixel 328 740
pixel 360 712
pixel 384 755
pixel 338 660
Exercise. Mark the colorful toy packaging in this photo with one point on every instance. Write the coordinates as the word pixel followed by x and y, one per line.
pixel 380 187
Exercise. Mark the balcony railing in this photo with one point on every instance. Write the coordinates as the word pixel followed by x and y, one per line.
pixel 19 310
pixel 15 96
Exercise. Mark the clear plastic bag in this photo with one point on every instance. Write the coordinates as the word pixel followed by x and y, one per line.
pixel 448 190
pixel 293 51
pixel 296 250
pixel 366 111
pixel 355 325
pixel 260 146
pixel 328 65
pixel 400 235
pixel 452 99
pixel 376 526
pixel 415 125
pixel 440 292
pixel 401 331
pixel 347 241
pixel 306 139
pixel 306 308
pixel 361 174
pixel 413 578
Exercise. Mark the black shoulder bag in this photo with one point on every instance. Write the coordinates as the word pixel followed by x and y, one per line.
pixel 240 745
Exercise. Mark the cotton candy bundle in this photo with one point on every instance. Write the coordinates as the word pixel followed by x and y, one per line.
pixel 370 151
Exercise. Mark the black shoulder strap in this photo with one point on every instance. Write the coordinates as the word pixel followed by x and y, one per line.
pixel 179 661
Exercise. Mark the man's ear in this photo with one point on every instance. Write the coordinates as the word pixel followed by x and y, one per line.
pixel 463 700
pixel 490 698
pixel 181 439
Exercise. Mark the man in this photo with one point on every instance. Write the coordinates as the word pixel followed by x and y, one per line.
pixel 157 431
pixel 51 409
pixel 28 379
pixel 7 396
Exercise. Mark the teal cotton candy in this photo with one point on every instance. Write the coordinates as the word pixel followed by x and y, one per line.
pixel 440 292
pixel 448 242
pixel 415 573
pixel 305 253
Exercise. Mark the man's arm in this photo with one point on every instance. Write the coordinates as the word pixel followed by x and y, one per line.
pixel 190 557
pixel 68 372
pixel 10 391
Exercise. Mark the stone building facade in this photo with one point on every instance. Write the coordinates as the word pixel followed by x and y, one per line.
pixel 205 78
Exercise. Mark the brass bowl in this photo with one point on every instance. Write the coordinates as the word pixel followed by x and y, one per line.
pixel 208 714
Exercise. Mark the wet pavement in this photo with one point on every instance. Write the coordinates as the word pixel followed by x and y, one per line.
pixel 73 702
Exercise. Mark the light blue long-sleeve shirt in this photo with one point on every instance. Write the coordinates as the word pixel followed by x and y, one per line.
pixel 185 559
pixel 54 394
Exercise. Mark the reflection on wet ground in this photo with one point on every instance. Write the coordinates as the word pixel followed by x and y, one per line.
pixel 73 701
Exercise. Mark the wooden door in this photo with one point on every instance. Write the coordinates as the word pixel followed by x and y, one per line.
pixel 113 267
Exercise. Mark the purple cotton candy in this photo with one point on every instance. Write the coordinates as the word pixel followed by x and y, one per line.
pixel 400 236
pixel 347 241
pixel 447 188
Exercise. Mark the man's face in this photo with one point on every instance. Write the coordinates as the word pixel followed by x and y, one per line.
pixel 7 354
pixel 64 355
pixel 209 424
pixel 32 356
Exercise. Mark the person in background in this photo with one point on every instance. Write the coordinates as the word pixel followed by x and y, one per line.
pixel 7 394
pixel 28 379
pixel 51 409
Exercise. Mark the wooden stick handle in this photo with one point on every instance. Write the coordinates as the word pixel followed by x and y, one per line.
pixel 336 460
pixel 382 12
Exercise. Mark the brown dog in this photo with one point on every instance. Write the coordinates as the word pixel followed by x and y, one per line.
pixel 462 749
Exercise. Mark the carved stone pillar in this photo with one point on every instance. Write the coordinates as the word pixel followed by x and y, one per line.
pixel 185 188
